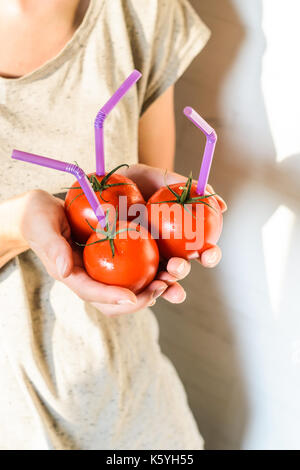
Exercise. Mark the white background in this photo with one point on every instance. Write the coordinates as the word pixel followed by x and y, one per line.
pixel 236 340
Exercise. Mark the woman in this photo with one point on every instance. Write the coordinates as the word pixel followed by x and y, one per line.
pixel 75 372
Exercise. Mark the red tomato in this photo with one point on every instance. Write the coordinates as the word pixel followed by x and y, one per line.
pixel 78 209
pixel 185 225
pixel 130 263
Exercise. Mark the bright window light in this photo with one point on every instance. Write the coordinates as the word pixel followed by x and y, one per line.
pixel 276 234
pixel 281 74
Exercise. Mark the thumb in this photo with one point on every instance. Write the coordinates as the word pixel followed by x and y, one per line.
pixel 59 254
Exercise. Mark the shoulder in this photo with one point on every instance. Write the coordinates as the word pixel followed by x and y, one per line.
pixel 141 14
pixel 144 14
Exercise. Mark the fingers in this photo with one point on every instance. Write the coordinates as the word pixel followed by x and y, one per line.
pixel 55 253
pixel 175 294
pixel 209 188
pixel 210 258
pixel 44 226
pixel 166 277
pixel 146 299
pixel 221 202
pixel 95 292
pixel 59 252
pixel 193 255
pixel 178 267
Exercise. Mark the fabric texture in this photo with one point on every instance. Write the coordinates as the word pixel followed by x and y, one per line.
pixel 71 378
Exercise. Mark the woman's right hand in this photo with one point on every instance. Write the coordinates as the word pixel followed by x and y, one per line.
pixel 37 220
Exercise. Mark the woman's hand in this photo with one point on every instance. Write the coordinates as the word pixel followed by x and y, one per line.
pixel 38 221
pixel 149 180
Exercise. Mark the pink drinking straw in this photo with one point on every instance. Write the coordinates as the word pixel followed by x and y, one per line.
pixel 69 168
pixel 102 115
pixel 211 139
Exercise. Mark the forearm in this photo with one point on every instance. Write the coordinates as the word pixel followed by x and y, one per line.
pixel 157 133
pixel 11 241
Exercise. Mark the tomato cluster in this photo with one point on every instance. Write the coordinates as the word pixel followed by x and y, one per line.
pixel 182 222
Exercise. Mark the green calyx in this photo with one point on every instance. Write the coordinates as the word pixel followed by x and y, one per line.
pixel 100 186
pixel 185 197
pixel 103 184
pixel 109 232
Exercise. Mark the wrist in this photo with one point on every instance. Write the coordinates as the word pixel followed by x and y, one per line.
pixel 11 235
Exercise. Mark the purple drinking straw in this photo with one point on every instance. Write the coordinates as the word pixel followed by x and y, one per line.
pixel 102 115
pixel 68 168
pixel 211 139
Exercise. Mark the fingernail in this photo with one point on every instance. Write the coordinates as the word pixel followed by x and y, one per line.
pixel 61 265
pixel 158 292
pixel 193 255
pixel 212 258
pixel 181 298
pixel 181 267
pixel 152 303
pixel 125 302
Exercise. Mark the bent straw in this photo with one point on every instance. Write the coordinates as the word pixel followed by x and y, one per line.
pixel 68 168
pixel 102 115
pixel 211 139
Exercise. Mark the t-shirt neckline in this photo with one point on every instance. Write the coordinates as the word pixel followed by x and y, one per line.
pixel 74 43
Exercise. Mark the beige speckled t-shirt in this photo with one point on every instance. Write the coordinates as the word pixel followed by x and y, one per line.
pixel 71 378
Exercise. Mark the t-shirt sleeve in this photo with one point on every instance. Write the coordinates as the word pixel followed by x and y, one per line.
pixel 179 36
